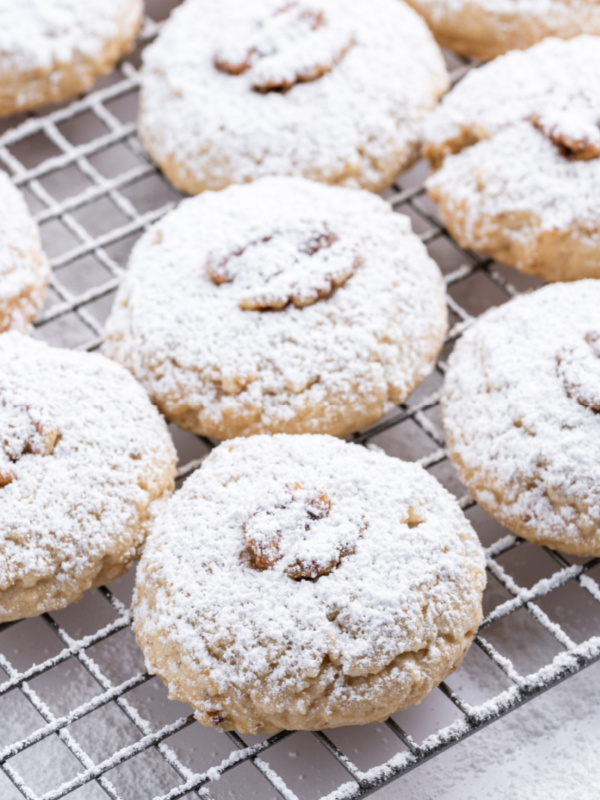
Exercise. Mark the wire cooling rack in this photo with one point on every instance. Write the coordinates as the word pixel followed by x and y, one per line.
pixel 79 716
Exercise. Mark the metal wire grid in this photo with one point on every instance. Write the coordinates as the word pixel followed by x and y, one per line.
pixel 90 213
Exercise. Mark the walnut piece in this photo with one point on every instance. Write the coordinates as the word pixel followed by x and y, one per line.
pixel 25 428
pixel 277 534
pixel 576 135
pixel 296 44
pixel 299 266
pixel 579 368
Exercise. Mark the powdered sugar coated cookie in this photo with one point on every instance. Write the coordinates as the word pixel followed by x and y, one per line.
pixel 53 49
pixel 521 410
pixel 520 144
pixel 300 582
pixel 332 90
pixel 84 462
pixel 281 306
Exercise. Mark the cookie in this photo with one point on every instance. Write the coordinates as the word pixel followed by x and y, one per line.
pixel 282 306
pixel 85 461
pixel 24 269
pixel 519 144
pixel 51 50
pixel 331 90
pixel 521 410
pixel 489 28
pixel 300 582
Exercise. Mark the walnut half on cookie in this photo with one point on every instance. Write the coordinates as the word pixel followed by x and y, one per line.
pixel 349 606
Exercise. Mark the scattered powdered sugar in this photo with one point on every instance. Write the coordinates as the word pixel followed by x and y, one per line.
pixel 37 34
pixel 520 411
pixel 297 43
pixel 23 267
pixel 546 749
pixel 358 78
pixel 229 357
pixel 86 453
pixel 399 568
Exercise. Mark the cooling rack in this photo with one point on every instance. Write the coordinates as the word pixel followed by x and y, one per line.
pixel 79 716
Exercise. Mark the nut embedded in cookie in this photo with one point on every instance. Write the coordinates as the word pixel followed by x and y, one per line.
pixel 298 264
pixel 26 428
pixel 295 44
pixel 576 132
pixel 286 529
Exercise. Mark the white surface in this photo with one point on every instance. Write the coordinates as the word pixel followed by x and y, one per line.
pixel 547 750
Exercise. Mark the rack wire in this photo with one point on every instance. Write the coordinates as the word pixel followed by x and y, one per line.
pixel 68 675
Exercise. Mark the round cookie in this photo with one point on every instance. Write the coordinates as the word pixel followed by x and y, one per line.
pixel 519 144
pixel 282 306
pixel 521 410
pixel 51 50
pixel 300 582
pixel 488 28
pixel 85 461
pixel 331 90
pixel 24 270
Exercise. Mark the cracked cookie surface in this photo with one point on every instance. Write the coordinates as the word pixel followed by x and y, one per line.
pixel 517 144
pixel 331 90
pixel 367 594
pixel 85 461
pixel 521 410
pixel 313 311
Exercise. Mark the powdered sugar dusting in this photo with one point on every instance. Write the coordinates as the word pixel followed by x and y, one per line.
pixel 25 429
pixel 226 352
pixel 359 78
pixel 520 415
pixel 87 453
